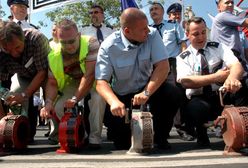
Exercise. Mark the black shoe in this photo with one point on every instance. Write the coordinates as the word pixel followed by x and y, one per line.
pixel 52 142
pixel 94 146
pixel 163 146
pixel 202 137
pixel 47 134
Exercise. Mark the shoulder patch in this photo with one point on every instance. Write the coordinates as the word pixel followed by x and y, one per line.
pixel 184 54
pixel 171 21
pixel 213 44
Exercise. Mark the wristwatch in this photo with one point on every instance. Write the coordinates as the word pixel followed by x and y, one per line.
pixel 24 95
pixel 74 98
pixel 147 93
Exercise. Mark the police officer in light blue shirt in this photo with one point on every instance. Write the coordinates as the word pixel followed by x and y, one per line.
pixel 136 61
pixel 170 30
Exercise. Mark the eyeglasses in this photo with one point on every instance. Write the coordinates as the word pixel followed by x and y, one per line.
pixel 94 12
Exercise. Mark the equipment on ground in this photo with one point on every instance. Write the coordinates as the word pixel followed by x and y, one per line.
pixel 72 130
pixel 142 131
pixel 234 127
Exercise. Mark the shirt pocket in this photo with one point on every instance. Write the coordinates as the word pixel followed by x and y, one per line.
pixel 169 35
pixel 124 68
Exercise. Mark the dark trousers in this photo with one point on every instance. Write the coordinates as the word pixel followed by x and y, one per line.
pixel 163 103
pixel 203 108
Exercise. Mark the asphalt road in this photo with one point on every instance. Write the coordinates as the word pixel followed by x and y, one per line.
pixel 182 154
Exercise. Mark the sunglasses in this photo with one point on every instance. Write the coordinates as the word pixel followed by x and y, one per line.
pixel 65 42
pixel 94 12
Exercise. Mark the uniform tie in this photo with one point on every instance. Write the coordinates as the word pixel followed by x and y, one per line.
pixel 99 33
pixel 19 22
pixel 205 71
pixel 158 27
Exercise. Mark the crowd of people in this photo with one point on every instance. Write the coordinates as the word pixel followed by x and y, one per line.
pixel 174 69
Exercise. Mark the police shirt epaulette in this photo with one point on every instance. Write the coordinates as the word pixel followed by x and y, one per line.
pixel 34 26
pixel 85 25
pixel 171 21
pixel 184 54
pixel 109 26
pixel 213 44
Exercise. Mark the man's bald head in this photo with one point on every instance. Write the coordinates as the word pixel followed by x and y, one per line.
pixel 130 16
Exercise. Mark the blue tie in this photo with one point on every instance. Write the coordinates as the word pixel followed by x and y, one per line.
pixel 99 34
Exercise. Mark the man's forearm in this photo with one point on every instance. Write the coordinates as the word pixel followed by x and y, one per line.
pixel 36 83
pixel 84 87
pixel 159 75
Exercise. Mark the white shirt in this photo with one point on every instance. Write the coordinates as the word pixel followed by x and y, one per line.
pixel 91 31
pixel 24 24
pixel 189 63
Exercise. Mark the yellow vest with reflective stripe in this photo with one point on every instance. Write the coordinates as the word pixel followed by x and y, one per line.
pixel 56 61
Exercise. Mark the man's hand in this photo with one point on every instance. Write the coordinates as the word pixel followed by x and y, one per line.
pixel 140 99
pixel 70 103
pixel 46 112
pixel 222 75
pixel 15 98
pixel 232 85
pixel 117 108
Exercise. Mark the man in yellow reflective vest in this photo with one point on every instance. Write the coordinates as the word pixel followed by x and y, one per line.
pixel 71 78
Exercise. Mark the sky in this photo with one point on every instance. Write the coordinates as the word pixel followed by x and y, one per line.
pixel 200 7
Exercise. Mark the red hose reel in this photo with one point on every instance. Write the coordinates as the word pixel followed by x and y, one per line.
pixel 234 128
pixel 14 132
pixel 71 131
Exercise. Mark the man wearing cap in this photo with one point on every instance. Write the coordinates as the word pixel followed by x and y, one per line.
pixel 175 12
pixel 18 10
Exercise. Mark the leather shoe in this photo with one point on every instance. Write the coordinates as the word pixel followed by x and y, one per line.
pixel 94 146
pixel 164 146
pixel 52 142
pixel 202 137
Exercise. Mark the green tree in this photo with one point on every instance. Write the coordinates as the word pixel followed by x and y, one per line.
pixel 79 11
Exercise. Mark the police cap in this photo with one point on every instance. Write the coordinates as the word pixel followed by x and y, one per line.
pixel 23 2
pixel 175 7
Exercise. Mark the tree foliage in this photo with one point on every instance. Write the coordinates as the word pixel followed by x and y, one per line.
pixel 79 11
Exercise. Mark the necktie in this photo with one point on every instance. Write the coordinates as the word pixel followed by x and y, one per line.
pixel 19 22
pixel 99 34
pixel 158 27
pixel 205 71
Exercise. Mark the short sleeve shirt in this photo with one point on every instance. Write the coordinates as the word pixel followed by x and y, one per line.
pixel 32 60
pixel 189 63
pixel 173 35
pixel 91 31
pixel 225 30
pixel 129 65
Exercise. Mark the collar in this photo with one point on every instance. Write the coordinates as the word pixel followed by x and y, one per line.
pixel 15 20
pixel 126 42
pixel 97 26
pixel 195 51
